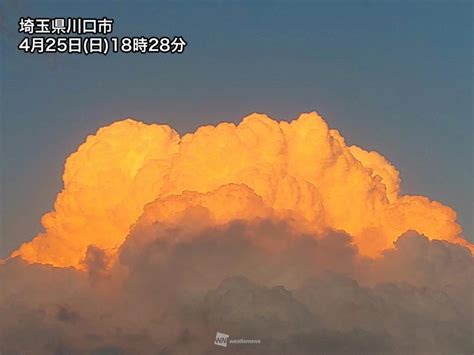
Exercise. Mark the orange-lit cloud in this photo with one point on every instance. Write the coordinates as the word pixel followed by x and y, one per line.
pixel 266 230
pixel 301 171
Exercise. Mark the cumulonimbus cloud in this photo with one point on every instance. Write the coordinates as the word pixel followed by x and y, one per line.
pixel 267 230
pixel 300 169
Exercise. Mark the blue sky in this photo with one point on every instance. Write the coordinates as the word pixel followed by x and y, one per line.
pixel 391 76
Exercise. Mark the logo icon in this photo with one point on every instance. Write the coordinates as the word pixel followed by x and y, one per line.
pixel 221 339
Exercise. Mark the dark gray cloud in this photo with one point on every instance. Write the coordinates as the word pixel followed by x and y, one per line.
pixel 171 290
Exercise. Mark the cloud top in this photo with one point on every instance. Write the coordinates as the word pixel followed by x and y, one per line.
pixel 300 170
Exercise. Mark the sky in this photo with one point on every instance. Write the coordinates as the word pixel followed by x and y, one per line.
pixel 393 77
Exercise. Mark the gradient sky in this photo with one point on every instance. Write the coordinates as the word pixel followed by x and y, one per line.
pixel 392 77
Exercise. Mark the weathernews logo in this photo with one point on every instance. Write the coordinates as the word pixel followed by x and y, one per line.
pixel 223 340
